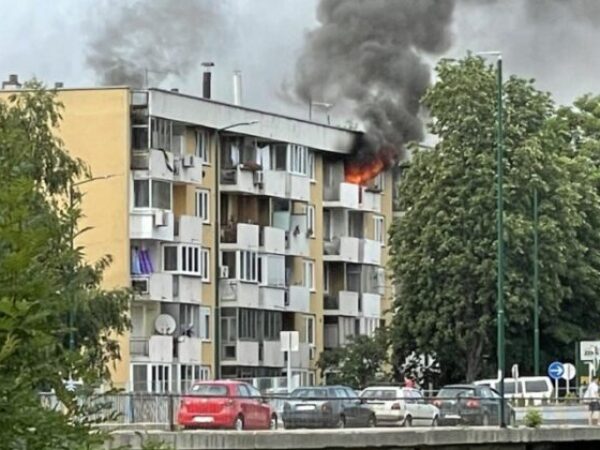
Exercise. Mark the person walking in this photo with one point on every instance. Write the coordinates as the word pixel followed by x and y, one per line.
pixel 593 399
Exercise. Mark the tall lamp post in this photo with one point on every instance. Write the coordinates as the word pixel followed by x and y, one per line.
pixel 536 296
pixel 500 230
pixel 217 237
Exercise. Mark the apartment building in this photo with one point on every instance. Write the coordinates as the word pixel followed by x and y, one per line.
pixel 231 225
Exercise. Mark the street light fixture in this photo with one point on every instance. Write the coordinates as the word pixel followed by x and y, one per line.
pixel 500 230
pixel 216 256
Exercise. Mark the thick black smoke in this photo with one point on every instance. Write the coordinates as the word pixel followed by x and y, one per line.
pixel 154 38
pixel 369 53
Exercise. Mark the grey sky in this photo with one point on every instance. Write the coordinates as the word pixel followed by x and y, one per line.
pixel 48 40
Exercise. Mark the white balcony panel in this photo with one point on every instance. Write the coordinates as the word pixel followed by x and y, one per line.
pixel 189 169
pixel 298 299
pixel 189 350
pixel 274 183
pixel 273 240
pixel 190 289
pixel 239 294
pixel 271 298
pixel 345 249
pixel 161 349
pixel 189 229
pixel 370 201
pixel 344 195
pixel 301 358
pixel 370 252
pixel 272 354
pixel 159 286
pixel 246 354
pixel 297 244
pixel 371 305
pixel 239 180
pixel 153 164
pixel 151 224
pixel 243 236
pixel 344 304
pixel 298 187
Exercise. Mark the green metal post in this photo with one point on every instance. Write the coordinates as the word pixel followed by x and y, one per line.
pixel 500 262
pixel 536 297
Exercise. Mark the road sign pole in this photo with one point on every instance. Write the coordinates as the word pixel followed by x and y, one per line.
pixel 289 364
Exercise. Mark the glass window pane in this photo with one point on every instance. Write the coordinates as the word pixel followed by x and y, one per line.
pixel 141 194
pixel 161 194
pixel 170 258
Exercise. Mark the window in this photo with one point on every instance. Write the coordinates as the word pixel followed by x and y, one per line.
pixel 327 224
pixel 161 194
pixel 312 165
pixel 189 319
pixel 205 323
pixel 272 325
pixel 201 146
pixel 205 264
pixel 140 377
pixel 160 378
pixel 310 211
pixel 184 259
pixel 202 205
pixel 309 323
pixel 297 159
pixel 248 325
pixel 379 229
pixel 141 194
pixel 309 274
pixel 326 278
pixel 188 375
pixel 162 133
pixel 271 270
pixel 248 266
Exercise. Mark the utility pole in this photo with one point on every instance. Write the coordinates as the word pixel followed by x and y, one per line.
pixel 536 297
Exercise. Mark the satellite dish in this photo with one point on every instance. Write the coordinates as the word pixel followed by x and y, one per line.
pixel 165 324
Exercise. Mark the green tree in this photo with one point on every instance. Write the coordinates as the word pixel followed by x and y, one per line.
pixel 43 278
pixel 444 247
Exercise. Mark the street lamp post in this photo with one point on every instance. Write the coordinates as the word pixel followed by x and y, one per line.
pixel 216 256
pixel 536 298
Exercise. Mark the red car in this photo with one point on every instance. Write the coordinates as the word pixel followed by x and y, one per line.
pixel 225 404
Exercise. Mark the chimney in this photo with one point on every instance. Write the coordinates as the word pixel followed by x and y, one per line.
pixel 237 87
pixel 58 85
pixel 12 83
pixel 206 79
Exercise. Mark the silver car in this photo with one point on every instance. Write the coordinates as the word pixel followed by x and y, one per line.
pixel 398 406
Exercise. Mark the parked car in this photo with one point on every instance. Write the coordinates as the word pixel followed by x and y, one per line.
pixel 326 407
pixel 225 404
pixel 400 406
pixel 535 390
pixel 277 398
pixel 471 404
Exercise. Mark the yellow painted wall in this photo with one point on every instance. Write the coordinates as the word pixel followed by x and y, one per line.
pixel 387 213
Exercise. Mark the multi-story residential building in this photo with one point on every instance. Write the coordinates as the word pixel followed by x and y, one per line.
pixel 181 179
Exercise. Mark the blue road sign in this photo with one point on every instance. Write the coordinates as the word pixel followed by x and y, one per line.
pixel 556 370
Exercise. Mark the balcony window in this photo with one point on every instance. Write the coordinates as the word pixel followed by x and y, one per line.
pixel 249 323
pixel 140 377
pixel 248 270
pixel 205 255
pixel 141 193
pixel 379 229
pixel 162 133
pixel 139 138
pixel 298 156
pixel 202 208
pixel 271 270
pixel 183 259
pixel 189 319
pixel 205 323
pixel 272 325
pixel 189 374
pixel 161 194
pixel 312 165
pixel 157 197
pixel 309 324
pixel 310 210
pixel 202 146
pixel 309 275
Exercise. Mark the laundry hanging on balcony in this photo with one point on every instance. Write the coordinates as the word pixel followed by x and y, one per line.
pixel 141 264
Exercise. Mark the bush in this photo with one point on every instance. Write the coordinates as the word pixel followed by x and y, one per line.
pixel 533 418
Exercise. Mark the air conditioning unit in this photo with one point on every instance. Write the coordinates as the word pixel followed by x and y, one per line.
pixel 224 272
pixel 140 286
pixel 259 178
pixel 188 161
pixel 160 219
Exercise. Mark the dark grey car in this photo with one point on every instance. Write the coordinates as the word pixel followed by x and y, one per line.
pixel 326 407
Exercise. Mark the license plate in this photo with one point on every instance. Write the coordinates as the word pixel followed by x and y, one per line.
pixel 199 419
pixel 451 416
pixel 304 407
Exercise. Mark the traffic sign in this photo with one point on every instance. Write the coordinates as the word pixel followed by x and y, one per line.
pixel 589 350
pixel 556 370
pixel 569 372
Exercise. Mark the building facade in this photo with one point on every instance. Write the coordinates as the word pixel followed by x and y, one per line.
pixel 180 180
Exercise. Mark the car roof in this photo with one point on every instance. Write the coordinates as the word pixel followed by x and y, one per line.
pixel 385 387
pixel 461 386
pixel 221 382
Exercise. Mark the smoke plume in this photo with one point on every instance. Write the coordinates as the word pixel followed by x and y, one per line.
pixel 152 39
pixel 368 54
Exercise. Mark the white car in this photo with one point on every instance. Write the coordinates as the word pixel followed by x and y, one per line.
pixel 400 406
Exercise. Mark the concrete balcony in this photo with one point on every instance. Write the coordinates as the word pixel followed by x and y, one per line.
pixel 370 252
pixel 188 169
pixel 188 229
pixel 301 359
pixel 188 289
pixel 272 356
pixel 155 224
pixel 370 200
pixel 272 298
pixel 279 183
pixel 236 293
pixel 370 305
pixel 240 180
pixel 154 348
pixel 239 236
pixel 240 353
pixel 272 240
pixel 343 195
pixel 157 286
pixel 298 299
pixel 343 249
pixel 154 164
pixel 298 187
pixel 274 183
pixel 189 349
pixel 345 303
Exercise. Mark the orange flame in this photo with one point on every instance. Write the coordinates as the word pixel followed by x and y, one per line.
pixel 361 172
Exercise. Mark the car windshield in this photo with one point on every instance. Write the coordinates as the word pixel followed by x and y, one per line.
pixel 210 390
pixel 455 392
pixel 309 393
pixel 379 394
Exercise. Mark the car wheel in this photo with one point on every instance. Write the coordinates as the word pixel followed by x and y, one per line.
pixel 341 423
pixel 238 425
pixel 485 421
pixel 273 423
pixel 372 422
pixel 407 422
pixel 435 422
